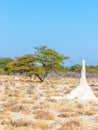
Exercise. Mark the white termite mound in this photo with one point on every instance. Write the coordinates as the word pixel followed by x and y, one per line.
pixel 83 90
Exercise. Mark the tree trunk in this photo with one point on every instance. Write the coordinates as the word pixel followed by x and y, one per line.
pixel 40 78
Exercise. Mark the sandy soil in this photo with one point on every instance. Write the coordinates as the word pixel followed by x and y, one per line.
pixel 26 105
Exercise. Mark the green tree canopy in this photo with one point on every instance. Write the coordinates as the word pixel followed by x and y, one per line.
pixel 23 64
pixel 43 61
pixel 3 63
pixel 76 68
pixel 50 60
pixel 92 69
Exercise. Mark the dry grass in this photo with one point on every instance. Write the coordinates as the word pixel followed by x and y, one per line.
pixel 96 118
pixel 43 125
pixel 21 108
pixel 96 94
pixel 44 114
pixel 21 124
pixel 96 128
pixel 67 114
pixel 73 125
pixel 26 105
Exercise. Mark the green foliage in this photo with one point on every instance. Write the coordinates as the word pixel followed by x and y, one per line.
pixel 40 64
pixel 50 60
pixel 92 69
pixel 3 63
pixel 23 64
pixel 75 68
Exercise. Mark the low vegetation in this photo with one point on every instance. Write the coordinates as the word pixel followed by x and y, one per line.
pixel 46 108
pixel 41 63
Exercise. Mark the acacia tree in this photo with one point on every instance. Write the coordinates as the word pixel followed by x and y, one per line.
pixel 3 63
pixel 40 64
pixel 75 68
pixel 50 60
pixel 23 64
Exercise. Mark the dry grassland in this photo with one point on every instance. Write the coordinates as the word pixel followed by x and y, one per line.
pixel 26 105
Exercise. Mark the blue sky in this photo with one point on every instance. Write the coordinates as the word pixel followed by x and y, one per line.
pixel 67 26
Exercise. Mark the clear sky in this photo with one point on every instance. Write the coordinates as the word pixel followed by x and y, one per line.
pixel 67 26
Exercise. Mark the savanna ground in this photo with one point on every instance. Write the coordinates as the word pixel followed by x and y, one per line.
pixel 26 105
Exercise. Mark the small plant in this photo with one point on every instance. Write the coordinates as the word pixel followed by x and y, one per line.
pixel 21 108
pixel 43 114
pixel 73 125
pixel 43 125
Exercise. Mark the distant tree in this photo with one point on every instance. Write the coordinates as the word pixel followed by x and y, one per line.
pixel 92 69
pixel 75 68
pixel 40 64
pixel 3 63
pixel 23 64
pixel 49 60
